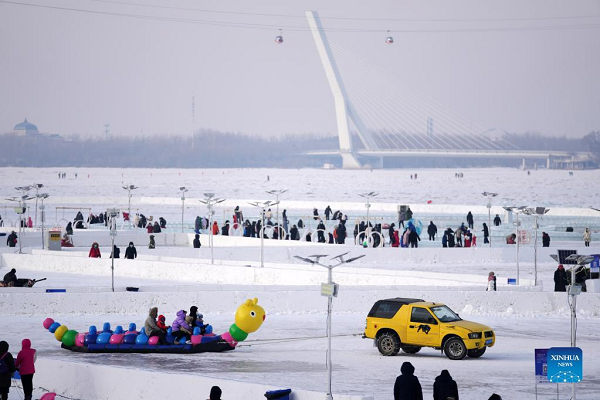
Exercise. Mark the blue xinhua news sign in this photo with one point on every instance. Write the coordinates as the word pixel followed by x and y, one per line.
pixel 565 364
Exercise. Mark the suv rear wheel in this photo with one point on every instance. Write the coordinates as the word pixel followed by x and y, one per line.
pixel 411 349
pixel 388 343
pixel 455 349
pixel 475 353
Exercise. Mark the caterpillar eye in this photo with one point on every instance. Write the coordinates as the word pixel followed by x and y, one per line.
pixel 252 314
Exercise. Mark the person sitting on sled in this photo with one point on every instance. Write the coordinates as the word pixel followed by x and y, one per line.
pixel 180 328
pixel 161 323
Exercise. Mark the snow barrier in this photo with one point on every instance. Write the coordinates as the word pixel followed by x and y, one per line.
pixel 99 382
pixel 224 299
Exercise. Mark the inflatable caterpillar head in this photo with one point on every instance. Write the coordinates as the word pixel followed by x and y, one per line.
pixel 250 316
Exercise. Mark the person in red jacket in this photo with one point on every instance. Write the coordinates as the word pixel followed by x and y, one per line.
pixel 95 251
pixel 215 228
pixel 25 364
pixel 161 323
pixel 149 228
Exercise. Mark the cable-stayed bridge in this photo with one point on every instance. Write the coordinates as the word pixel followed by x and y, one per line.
pixel 391 119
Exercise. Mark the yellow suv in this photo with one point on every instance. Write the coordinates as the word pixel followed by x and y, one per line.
pixel 410 324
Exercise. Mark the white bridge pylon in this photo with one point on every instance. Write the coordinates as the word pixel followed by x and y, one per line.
pixel 344 110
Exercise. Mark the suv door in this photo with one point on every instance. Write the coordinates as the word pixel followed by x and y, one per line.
pixel 423 328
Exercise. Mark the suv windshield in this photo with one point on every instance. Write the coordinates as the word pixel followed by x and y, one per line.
pixel 445 314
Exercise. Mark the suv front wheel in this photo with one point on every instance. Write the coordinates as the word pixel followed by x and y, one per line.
pixel 388 343
pixel 455 349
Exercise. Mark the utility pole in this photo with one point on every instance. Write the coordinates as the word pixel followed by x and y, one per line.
pixel 489 196
pixel 262 206
pixel 329 289
pixel 210 202
pixel 183 190
pixel 277 193
pixel 106 131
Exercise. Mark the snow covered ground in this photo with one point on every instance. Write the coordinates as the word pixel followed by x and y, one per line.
pixel 289 350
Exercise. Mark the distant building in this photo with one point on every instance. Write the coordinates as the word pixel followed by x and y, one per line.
pixel 26 128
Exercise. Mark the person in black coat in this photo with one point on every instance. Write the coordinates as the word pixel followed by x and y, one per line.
pixel 163 222
pixel 414 238
pixel 116 253
pixel 9 362
pixel 560 279
pixel 225 229
pixel 497 220
pixel 197 241
pixel 407 386
pixel 69 228
pixel 327 213
pixel 391 231
pixel 445 387
pixel 486 233
pixel 432 230
pixel 11 240
pixel 131 252
pixel 450 237
pixel 545 240
pixel 294 234
pixel 10 277
pixel 470 220
pixel 341 234
pixel 156 228
pixel 321 232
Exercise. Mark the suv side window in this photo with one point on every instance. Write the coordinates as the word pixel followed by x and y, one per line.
pixel 422 315
pixel 385 309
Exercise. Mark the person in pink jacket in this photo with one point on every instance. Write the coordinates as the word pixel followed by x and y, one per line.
pixel 25 364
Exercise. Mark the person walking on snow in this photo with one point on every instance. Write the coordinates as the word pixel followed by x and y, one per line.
pixel 445 387
pixel 131 252
pixel 497 220
pixel 25 365
pixel 432 230
pixel 407 386
pixel 587 237
pixel 560 279
pixel 197 241
pixel 9 368
pixel 470 220
pixel 486 233
pixel 491 287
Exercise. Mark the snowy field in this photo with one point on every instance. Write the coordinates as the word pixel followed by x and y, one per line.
pixel 289 349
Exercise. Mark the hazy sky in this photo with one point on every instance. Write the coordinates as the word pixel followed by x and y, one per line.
pixel 72 72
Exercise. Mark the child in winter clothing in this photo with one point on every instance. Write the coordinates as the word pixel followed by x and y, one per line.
pixel 25 364
pixel 161 323
pixel 95 251
pixel 491 282
pixel 7 368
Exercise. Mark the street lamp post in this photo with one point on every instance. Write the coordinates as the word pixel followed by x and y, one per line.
pixel 574 291
pixel 22 205
pixel 129 189
pixel 183 190
pixel 536 212
pixel 277 193
pixel 329 289
pixel 37 187
pixel 489 196
pixel 368 196
pixel 113 213
pixel 262 206
pixel 517 224
pixel 210 201
pixel 42 197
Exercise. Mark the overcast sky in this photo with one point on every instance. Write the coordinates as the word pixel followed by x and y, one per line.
pixel 72 72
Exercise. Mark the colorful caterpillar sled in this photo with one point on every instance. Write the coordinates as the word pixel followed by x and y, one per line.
pixel 248 318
